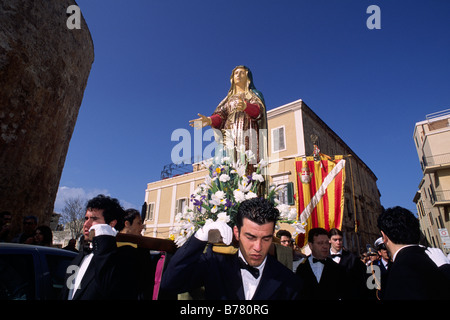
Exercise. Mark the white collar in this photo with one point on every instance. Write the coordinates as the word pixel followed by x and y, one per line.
pixel 339 252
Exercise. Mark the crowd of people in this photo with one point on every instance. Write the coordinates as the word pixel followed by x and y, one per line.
pixel 31 233
pixel 395 268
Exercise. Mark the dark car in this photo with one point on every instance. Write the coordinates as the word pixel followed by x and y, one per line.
pixel 29 272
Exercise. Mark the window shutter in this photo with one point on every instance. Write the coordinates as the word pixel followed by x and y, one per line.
pixel 290 193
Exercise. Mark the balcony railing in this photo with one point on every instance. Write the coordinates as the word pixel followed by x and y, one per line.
pixel 441 197
pixel 436 161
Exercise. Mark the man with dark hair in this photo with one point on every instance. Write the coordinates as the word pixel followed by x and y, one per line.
pixel 146 263
pixel 98 272
pixel 133 222
pixel 323 278
pixel 250 273
pixel 30 224
pixel 285 238
pixel 354 268
pixel 412 275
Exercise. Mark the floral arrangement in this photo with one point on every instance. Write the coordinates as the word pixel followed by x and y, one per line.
pixel 218 198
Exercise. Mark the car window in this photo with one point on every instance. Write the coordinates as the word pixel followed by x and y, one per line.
pixel 57 266
pixel 17 277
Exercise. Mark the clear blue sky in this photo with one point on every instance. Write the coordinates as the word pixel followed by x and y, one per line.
pixel 159 63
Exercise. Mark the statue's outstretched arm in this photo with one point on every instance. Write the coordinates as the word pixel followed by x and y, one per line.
pixel 201 122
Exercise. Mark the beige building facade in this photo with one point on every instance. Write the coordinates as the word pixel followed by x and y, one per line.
pixel 293 129
pixel 432 141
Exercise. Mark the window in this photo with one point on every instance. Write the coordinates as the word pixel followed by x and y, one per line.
pixel 282 196
pixel 17 277
pixel 286 195
pixel 278 139
pixel 57 266
pixel 150 211
pixel 440 222
pixel 181 204
pixel 432 194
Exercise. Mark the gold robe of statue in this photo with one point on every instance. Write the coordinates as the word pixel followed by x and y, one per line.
pixel 242 120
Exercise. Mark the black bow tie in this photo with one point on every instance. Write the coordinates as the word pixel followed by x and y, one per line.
pixel 319 260
pixel 336 255
pixel 254 271
pixel 87 248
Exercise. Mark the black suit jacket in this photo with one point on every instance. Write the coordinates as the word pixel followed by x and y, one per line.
pixel 220 275
pixel 331 285
pixel 356 274
pixel 110 274
pixel 414 276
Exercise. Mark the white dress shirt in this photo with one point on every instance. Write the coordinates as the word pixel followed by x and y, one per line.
pixel 317 268
pixel 80 274
pixel 385 263
pixel 336 259
pixel 249 282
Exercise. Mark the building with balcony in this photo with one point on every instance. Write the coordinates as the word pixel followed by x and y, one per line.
pixel 293 129
pixel 432 140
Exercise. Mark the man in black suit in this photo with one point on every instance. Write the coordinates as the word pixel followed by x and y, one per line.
pixel 249 274
pixel 412 275
pixel 354 268
pixel 323 278
pixel 99 271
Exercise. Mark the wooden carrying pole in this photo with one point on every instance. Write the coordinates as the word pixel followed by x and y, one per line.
pixel 148 242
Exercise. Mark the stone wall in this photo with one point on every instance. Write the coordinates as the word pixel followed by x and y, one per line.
pixel 44 68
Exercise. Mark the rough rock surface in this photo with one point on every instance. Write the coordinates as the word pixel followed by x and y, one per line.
pixel 44 68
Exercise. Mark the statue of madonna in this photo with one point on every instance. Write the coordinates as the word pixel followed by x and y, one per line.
pixel 240 120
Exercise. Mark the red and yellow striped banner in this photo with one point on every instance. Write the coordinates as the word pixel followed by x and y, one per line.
pixel 321 199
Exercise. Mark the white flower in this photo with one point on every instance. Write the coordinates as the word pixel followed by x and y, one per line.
pixel 214 209
pixel 258 177
pixel 239 196
pixel 217 198
pixel 262 164
pixel 240 169
pixel 292 215
pixel 208 182
pixel 219 194
pixel 178 217
pixel 244 185
pixel 224 177
pixel 299 228
pixel 250 155
pixel 180 240
pixel 250 195
pixel 223 217
pixel 207 163
pixel 284 211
